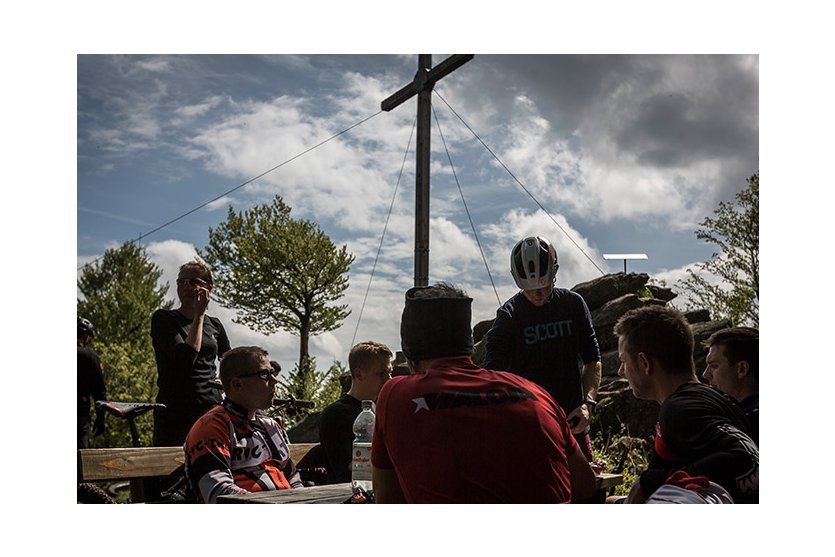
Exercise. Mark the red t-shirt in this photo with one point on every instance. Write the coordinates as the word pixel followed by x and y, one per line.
pixel 462 434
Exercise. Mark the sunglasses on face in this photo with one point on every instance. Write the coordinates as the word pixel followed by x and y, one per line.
pixel 195 283
pixel 263 374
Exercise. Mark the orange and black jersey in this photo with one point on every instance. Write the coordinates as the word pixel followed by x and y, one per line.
pixel 227 453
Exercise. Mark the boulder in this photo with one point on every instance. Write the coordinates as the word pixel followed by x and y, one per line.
pixel 610 362
pixel 613 309
pixel 661 293
pixel 619 413
pixel 608 287
pixel 701 332
pixel 604 318
pixel 697 316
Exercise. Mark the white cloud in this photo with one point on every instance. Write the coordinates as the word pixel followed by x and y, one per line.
pixel 575 266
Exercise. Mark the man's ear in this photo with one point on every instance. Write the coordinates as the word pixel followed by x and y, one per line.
pixel 357 374
pixel 742 369
pixel 234 385
pixel 644 363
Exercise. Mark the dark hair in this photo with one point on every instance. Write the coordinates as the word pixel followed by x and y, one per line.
pixel 740 344
pixel 365 354
pixel 438 290
pixel 201 267
pixel 436 323
pixel 659 332
pixel 239 361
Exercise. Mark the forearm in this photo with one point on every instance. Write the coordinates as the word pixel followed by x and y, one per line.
pixel 592 372
pixel 497 346
pixel 386 486
pixel 195 333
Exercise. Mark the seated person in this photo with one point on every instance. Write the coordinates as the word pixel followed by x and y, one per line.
pixel 452 432
pixel 700 430
pixel 733 366
pixel 370 366
pixel 233 448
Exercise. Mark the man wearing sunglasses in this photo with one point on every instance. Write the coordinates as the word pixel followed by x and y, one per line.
pixel 234 448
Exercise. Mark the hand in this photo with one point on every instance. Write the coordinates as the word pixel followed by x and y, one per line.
pixel 98 426
pixel 597 466
pixel 201 300
pixel 578 419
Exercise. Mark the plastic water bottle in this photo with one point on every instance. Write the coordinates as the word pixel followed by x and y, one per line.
pixel 361 450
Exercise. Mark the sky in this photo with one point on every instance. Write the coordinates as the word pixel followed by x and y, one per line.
pixel 626 153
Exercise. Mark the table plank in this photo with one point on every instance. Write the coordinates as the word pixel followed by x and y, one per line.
pixel 606 480
pixel 338 493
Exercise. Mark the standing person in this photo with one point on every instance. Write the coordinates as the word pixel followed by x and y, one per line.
pixel 234 448
pixel 700 430
pixel 186 344
pixel 452 432
pixel 733 366
pixel 544 333
pixel 90 384
pixel 370 366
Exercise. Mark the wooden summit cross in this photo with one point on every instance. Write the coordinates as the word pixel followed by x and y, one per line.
pixel 422 85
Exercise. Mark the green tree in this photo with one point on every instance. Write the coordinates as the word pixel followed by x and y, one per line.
pixel 736 231
pixel 305 382
pixel 118 295
pixel 278 272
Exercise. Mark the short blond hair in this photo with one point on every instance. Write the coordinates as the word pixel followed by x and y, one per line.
pixel 365 354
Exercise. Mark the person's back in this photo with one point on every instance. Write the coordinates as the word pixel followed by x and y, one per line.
pixel 462 434
pixel 336 436
pixel 90 381
pixel 751 406
pixel 703 432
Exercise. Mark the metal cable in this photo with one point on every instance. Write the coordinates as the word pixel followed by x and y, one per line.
pixel 520 183
pixel 385 227
pixel 464 201
pixel 172 221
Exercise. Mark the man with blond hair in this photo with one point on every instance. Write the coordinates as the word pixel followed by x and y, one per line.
pixel 370 366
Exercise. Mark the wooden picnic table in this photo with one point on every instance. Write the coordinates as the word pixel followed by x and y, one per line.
pixel 339 493
pixel 335 493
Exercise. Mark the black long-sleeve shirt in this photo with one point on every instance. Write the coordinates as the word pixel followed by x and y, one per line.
pixel 336 435
pixel 703 432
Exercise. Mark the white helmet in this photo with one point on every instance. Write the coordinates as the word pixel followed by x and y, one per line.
pixel 533 263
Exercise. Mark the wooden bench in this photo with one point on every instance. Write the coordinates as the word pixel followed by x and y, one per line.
pixel 136 464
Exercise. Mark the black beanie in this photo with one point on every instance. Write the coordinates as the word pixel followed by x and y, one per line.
pixel 435 327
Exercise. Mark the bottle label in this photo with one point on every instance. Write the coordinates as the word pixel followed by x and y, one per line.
pixel 361 462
